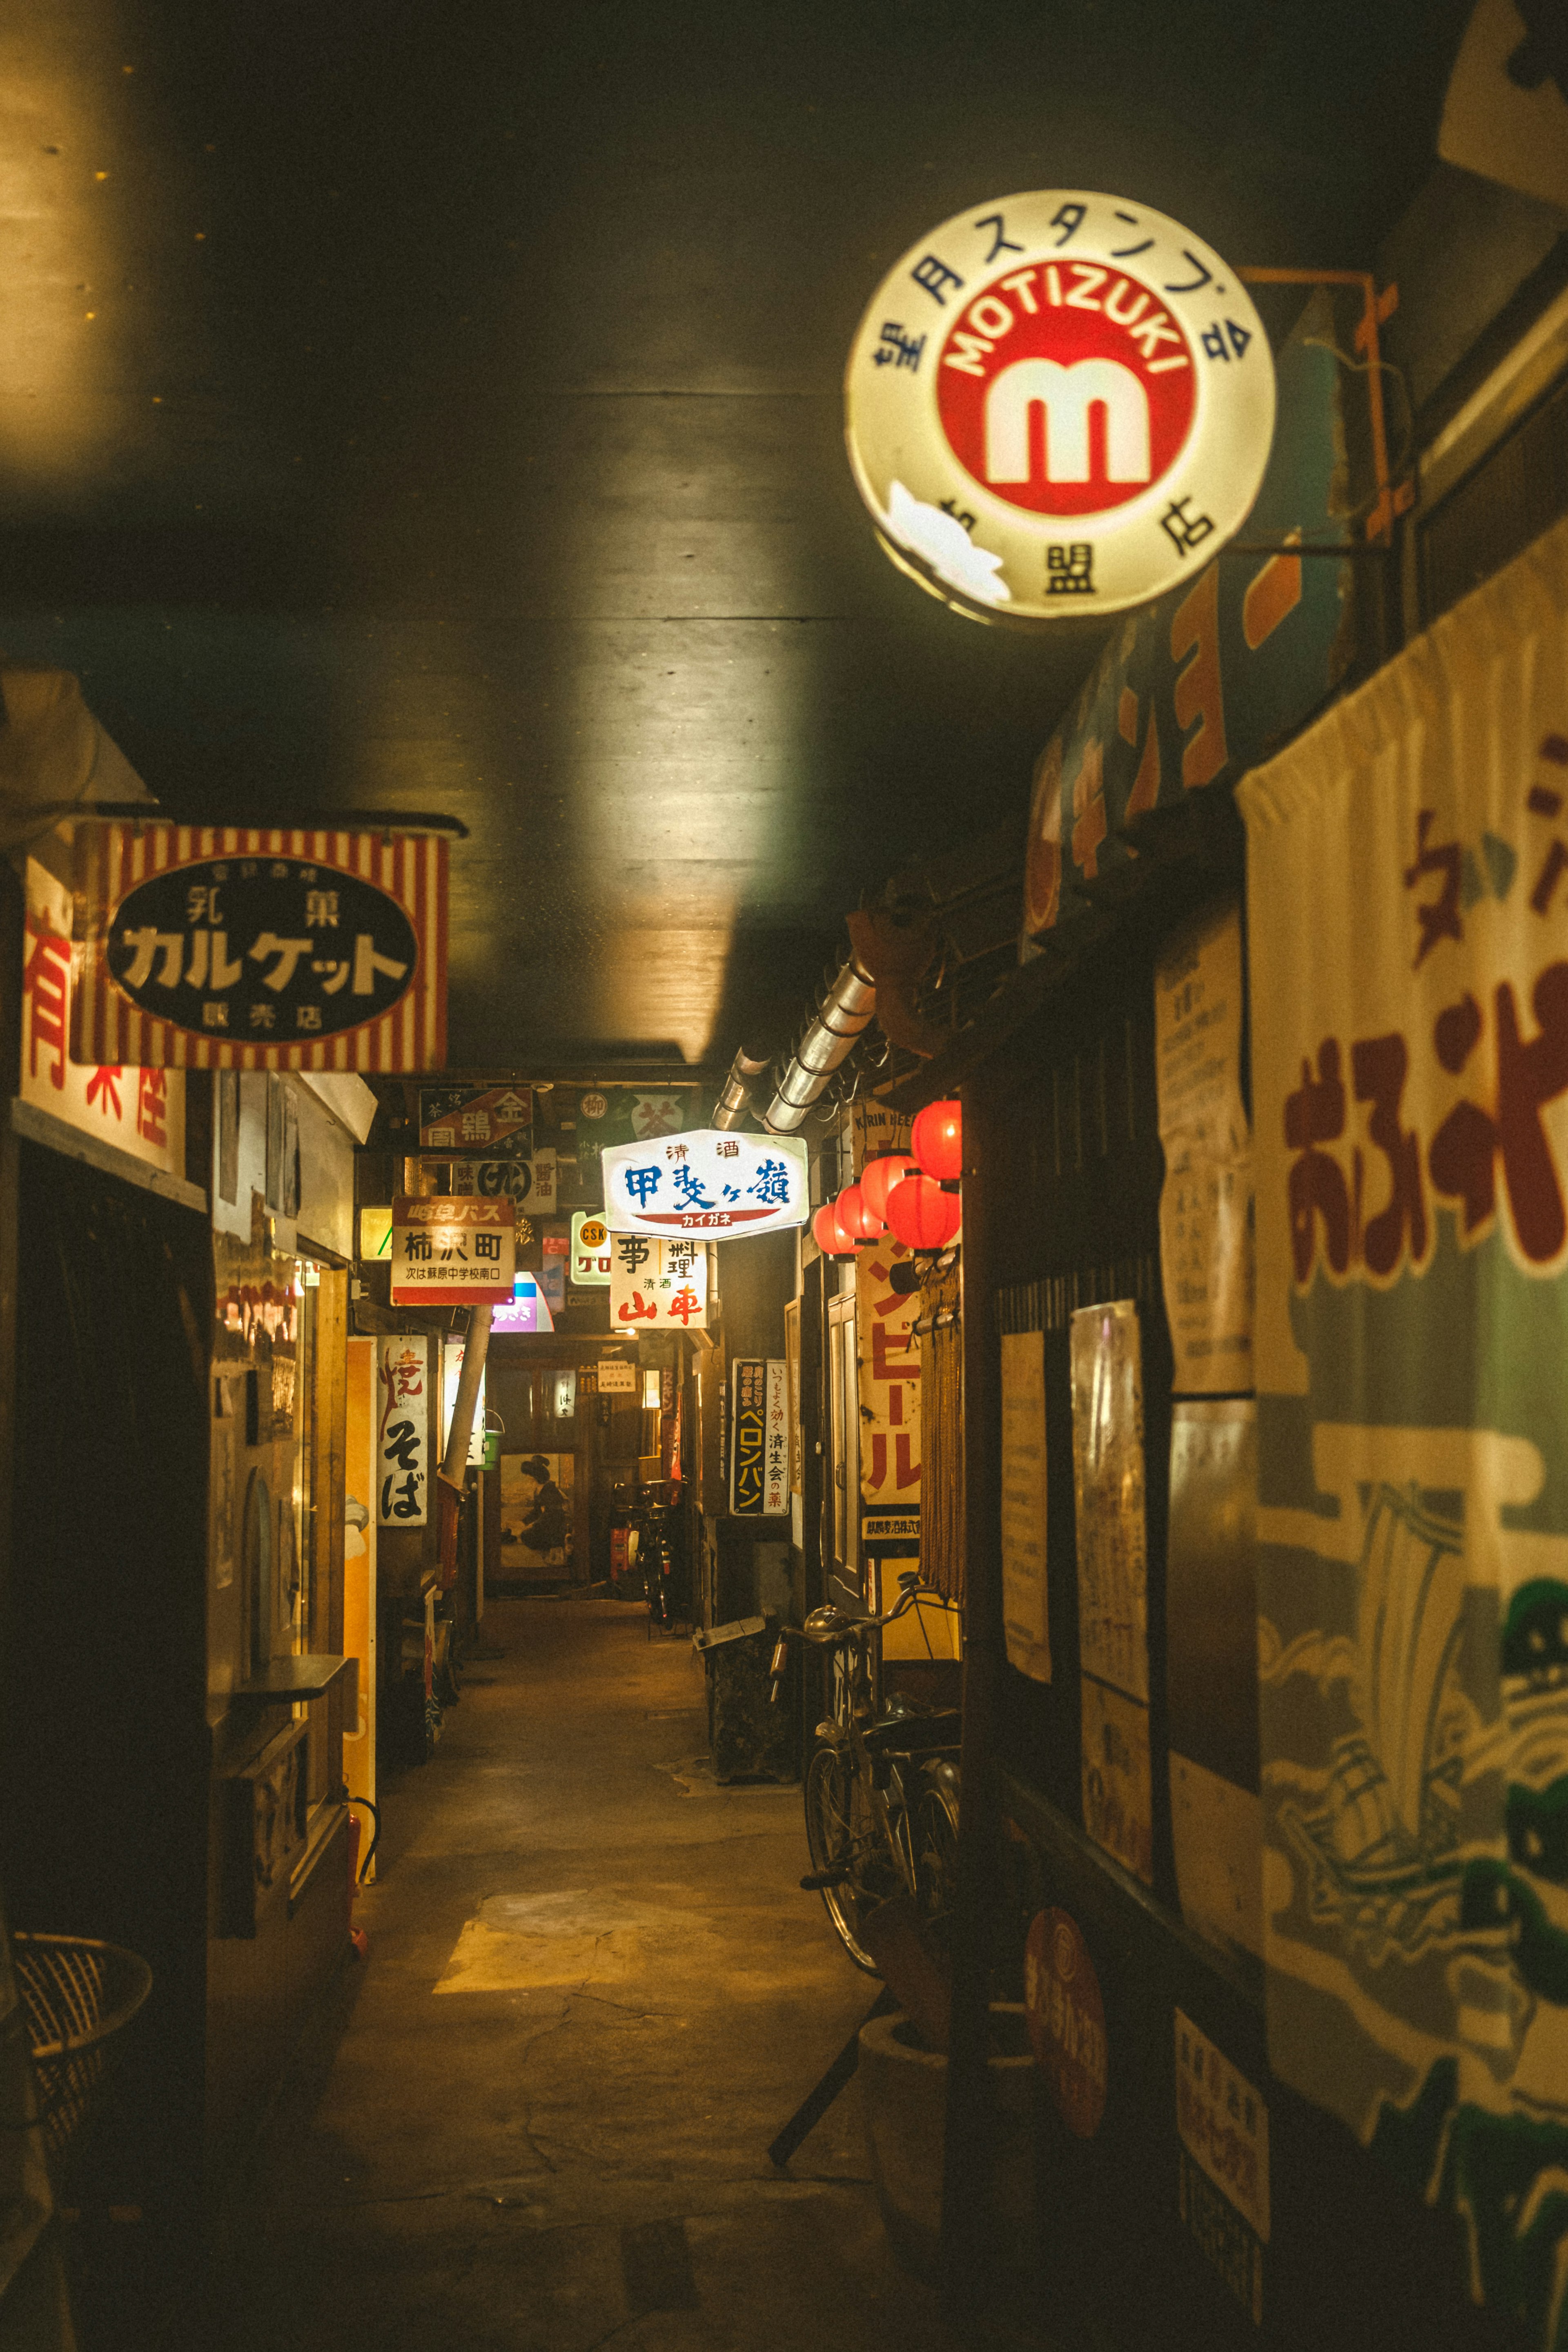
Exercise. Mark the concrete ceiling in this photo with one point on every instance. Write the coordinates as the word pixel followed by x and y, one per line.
pixel 440 409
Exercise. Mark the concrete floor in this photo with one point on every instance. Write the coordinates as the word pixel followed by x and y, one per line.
pixel 593 1995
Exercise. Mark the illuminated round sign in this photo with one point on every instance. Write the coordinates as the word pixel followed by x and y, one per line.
pixel 1059 404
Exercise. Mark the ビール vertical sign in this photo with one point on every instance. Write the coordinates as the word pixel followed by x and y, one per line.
pixel 889 1381
pixel 403 1429
pixel 1059 404
pixel 279 949
pixel 452 1253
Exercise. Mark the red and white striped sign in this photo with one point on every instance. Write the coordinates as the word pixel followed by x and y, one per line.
pixel 108 1027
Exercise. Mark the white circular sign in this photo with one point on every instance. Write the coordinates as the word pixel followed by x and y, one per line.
pixel 1059 404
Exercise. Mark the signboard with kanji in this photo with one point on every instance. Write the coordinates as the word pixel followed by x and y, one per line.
pixel 403 1429
pixel 141 1111
pixel 490 1121
pixel 709 1183
pixel 656 1285
pixel 889 1380
pixel 225 948
pixel 1053 401
pixel 759 1439
pixel 532 1180
pixel 447 1253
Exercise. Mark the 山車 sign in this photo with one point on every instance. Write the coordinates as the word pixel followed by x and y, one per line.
pixel 277 949
pixel 656 1284
pixel 706 1183
pixel 452 1253
pixel 1059 404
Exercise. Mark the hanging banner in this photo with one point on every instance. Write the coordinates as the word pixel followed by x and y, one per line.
pixel 221 948
pixel 888 1355
pixel 1408 917
pixel 707 1181
pixel 449 1252
pixel 1024 1610
pixel 496 1122
pixel 1112 1581
pixel 656 1285
pixel 403 1429
pixel 1192 690
pixel 1205 1204
pixel 1054 401
pixel 141 1111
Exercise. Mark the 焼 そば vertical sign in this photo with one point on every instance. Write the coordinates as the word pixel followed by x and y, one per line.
pixel 402 1428
pixel 1059 404
pixel 285 949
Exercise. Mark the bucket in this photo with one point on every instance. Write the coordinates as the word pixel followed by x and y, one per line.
pixel 904 2098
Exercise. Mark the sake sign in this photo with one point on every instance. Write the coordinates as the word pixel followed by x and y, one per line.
pixel 1059 404
pixel 706 1183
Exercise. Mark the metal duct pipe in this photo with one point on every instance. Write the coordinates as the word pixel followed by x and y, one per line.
pixel 734 1103
pixel 843 1013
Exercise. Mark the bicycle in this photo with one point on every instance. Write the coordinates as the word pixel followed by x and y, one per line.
pixel 881 1788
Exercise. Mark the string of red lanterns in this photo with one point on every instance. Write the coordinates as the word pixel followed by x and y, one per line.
pixel 913 1194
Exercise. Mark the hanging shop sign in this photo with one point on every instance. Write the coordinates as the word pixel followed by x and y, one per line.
pixel 449 1252
pixel 1106 1359
pixel 656 1285
pixel 1066 2019
pixel 402 1428
pixel 1205 1202
pixel 1193 690
pixel 489 1120
pixel 528 1308
pixel 706 1183
pixel 758 1438
pixel 532 1180
pixel 590 1258
pixel 1410 1070
pixel 1222 2164
pixel 1024 1608
pixel 282 950
pixel 1059 404
pixel 617 1376
pixel 888 1381
pixel 141 1111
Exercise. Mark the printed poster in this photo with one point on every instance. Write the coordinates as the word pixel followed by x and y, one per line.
pixel 875 1129
pixel 1112 1581
pixel 1024 1610
pixel 890 1373
pixel 1408 913
pixel 1206 1204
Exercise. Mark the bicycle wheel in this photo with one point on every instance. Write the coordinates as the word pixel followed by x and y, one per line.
pixel 841 1831
pixel 936 1858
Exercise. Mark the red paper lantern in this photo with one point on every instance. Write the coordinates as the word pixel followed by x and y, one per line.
pixel 922 1216
pixel 856 1217
pixel 879 1177
pixel 825 1229
pixel 937 1139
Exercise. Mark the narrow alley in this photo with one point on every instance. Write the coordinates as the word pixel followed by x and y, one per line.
pixel 593 1995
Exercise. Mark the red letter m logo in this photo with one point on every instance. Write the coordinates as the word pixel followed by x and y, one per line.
pixel 1067 395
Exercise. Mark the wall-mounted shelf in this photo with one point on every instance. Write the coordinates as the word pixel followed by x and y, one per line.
pixel 283 1680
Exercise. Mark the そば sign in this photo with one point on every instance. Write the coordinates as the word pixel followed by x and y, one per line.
pixel 225 948
pixel 452 1253
pixel 705 1183
pixel 402 1428
pixel 1059 404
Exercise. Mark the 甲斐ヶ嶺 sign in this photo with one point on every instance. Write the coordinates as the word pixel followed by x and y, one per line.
pixel 223 948
pixel 452 1253
pixel 706 1183
pixel 1059 404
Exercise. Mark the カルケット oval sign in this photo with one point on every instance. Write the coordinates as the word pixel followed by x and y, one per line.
pixel 261 950
pixel 1059 404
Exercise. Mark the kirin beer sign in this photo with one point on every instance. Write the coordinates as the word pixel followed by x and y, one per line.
pixel 1059 404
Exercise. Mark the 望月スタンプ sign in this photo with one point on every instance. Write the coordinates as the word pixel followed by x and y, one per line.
pixel 219 948
pixel 1059 404
pixel 706 1183
pixel 452 1253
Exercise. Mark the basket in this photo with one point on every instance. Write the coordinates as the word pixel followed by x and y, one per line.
pixel 77 1992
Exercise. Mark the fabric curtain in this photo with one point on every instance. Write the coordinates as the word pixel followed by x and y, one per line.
pixel 1408 926
pixel 942 1407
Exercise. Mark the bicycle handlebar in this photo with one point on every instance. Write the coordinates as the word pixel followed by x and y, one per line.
pixel 853 1629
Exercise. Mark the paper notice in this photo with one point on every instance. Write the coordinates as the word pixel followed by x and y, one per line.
pixel 1024 1608
pixel 1206 1206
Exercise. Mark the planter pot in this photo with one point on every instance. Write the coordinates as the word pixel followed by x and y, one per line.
pixel 904 2095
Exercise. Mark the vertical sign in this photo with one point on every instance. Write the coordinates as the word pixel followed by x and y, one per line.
pixel 1206 1205
pixel 403 1429
pixel 1023 1607
pixel 889 1375
pixel 1113 1582
pixel 1223 2125
pixel 776 1462
pixel 749 1436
